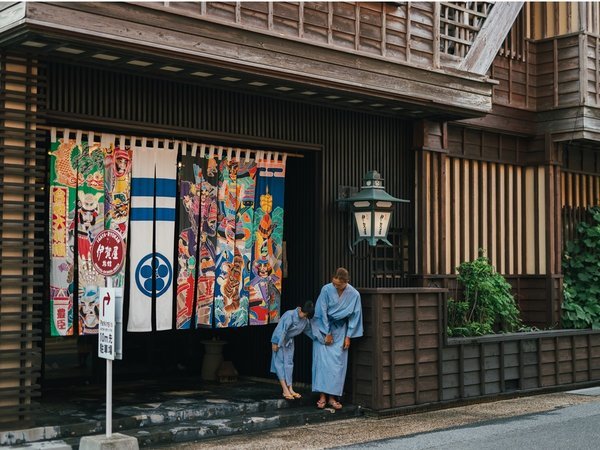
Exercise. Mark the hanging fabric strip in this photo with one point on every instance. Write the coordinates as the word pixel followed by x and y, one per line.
pixel 164 241
pixel 265 284
pixel 229 261
pixel 208 168
pixel 63 185
pixel 187 247
pixel 244 222
pixel 141 243
pixel 90 221
pixel 117 186
pixel 153 191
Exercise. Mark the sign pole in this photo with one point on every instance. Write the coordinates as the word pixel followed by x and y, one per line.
pixel 108 255
pixel 109 367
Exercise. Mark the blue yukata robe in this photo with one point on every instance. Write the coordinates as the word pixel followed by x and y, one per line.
pixel 282 361
pixel 340 316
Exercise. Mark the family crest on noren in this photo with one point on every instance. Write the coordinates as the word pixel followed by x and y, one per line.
pixel 331 323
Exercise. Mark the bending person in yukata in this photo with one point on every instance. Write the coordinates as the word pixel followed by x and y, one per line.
pixel 338 318
pixel 291 324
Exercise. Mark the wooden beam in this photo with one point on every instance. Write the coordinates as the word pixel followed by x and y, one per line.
pixel 136 28
pixel 490 37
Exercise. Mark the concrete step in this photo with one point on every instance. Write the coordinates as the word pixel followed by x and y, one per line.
pixel 248 422
pixel 146 415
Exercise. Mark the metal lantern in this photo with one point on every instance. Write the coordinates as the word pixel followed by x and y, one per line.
pixel 372 209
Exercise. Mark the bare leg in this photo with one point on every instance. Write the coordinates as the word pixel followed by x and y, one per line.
pixel 286 391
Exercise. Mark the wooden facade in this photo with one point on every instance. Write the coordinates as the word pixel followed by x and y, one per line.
pixel 21 236
pixel 499 155
pixel 404 362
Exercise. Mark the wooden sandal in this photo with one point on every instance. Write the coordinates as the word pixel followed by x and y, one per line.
pixel 321 403
pixel 335 404
pixel 296 395
pixel 288 397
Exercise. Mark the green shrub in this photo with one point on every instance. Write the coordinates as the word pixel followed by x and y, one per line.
pixel 581 269
pixel 488 305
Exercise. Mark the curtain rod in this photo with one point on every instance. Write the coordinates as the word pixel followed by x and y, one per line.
pixel 193 146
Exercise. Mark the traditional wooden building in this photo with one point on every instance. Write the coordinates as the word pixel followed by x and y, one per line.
pixel 484 115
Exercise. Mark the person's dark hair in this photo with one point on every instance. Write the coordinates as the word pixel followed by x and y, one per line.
pixel 309 309
pixel 342 274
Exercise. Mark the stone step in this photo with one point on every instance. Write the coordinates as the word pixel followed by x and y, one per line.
pixel 147 415
pixel 249 422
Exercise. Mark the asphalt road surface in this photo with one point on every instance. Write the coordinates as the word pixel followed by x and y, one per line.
pixel 574 427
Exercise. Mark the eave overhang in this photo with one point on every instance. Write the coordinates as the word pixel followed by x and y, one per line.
pixel 140 33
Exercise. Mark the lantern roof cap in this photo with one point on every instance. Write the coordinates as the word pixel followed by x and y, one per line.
pixel 373 190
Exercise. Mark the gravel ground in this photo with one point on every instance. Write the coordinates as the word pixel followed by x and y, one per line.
pixel 364 429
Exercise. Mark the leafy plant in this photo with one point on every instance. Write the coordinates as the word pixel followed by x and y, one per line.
pixel 488 304
pixel 581 269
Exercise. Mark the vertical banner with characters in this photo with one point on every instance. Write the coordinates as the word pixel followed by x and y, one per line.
pixel 90 221
pixel 153 195
pixel 63 190
pixel 266 277
pixel 117 186
pixel 244 223
pixel 190 181
pixel 229 262
pixel 208 168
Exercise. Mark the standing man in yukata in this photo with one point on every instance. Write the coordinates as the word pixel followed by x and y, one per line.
pixel 338 318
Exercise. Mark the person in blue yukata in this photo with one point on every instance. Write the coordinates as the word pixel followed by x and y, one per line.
pixel 338 318
pixel 291 324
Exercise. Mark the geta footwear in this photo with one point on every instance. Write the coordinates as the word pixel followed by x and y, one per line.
pixel 296 395
pixel 288 397
pixel 321 403
pixel 334 404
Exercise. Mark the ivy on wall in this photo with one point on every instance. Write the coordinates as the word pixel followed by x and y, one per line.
pixel 581 269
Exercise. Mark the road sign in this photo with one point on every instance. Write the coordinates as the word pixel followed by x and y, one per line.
pixel 108 251
pixel 106 328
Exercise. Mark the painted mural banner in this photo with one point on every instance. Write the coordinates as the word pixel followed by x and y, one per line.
pixel 229 244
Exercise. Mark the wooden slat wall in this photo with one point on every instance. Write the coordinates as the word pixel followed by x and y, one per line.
pixel 22 179
pixel 580 187
pixel 549 19
pixel 466 204
pixel 397 364
pixel 476 367
pixel 403 360
pixel 376 28
pixel 591 60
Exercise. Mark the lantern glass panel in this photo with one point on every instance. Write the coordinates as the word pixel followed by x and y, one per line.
pixel 382 220
pixel 361 204
pixel 384 204
pixel 363 223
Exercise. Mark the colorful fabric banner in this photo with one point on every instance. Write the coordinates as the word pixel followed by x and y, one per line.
pixel 208 170
pixel 229 241
pixel 244 223
pixel 229 261
pixel 117 186
pixel 189 213
pixel 153 191
pixel 90 221
pixel 63 185
pixel 266 277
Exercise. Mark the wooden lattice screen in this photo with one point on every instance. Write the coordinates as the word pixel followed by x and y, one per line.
pixel 459 24
pixel 22 212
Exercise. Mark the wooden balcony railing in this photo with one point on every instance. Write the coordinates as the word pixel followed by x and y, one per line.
pixel 459 24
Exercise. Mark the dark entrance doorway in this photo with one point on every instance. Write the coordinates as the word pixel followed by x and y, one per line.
pixel 179 353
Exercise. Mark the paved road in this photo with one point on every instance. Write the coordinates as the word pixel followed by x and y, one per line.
pixel 560 420
pixel 574 427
